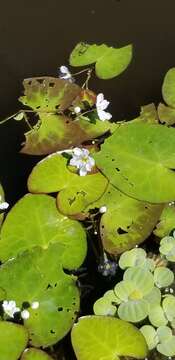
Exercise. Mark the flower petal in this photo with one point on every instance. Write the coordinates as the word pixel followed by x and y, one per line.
pixel 104 104
pixel 83 171
pixel 100 98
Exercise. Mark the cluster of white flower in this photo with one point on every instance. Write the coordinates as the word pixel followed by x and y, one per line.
pixel 82 160
pixel 3 204
pixel 10 309
pixel 101 103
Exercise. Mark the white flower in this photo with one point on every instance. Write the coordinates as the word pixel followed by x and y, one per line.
pixel 77 109
pixel 25 314
pixel 64 73
pixel 10 308
pixel 82 160
pixel 103 209
pixel 4 205
pixel 101 105
pixel 35 305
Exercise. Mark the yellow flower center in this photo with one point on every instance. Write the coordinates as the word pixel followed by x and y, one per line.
pixel 136 295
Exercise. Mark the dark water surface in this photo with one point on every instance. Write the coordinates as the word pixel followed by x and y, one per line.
pixel 37 36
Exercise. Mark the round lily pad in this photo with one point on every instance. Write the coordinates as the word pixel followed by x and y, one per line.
pixel 39 275
pixel 139 160
pixel 35 354
pixel 126 222
pixel 75 192
pixel 110 61
pixel 35 221
pixel 13 340
pixel 104 337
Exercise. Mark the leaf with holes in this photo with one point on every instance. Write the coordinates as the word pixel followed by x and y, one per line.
pixel 104 337
pixel 139 159
pixel 40 277
pixel 35 354
pixel 35 221
pixel 49 94
pixel 49 97
pixel 127 222
pixel 13 340
pixel 75 192
pixel 109 61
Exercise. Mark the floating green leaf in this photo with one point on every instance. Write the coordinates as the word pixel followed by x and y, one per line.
pixel 139 160
pixel 169 307
pixel 161 338
pixel 104 337
pixel 134 257
pixel 166 114
pixel 127 222
pixel 167 348
pixel 109 61
pixel 59 132
pixel 167 248
pixel 40 277
pixel 35 221
pixel 13 340
pixel 148 114
pixel 153 298
pixel 132 292
pixel 164 333
pixel 150 335
pixel 166 222
pixel 49 93
pixel 104 307
pixel 168 90
pixel 163 277
pixel 35 354
pixel 157 317
pixel 48 97
pixel 75 192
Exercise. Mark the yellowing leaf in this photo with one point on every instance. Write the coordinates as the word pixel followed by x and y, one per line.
pixel 104 337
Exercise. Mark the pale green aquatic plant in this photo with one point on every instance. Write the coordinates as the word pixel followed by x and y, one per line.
pixel 136 257
pixel 167 247
pixel 161 338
